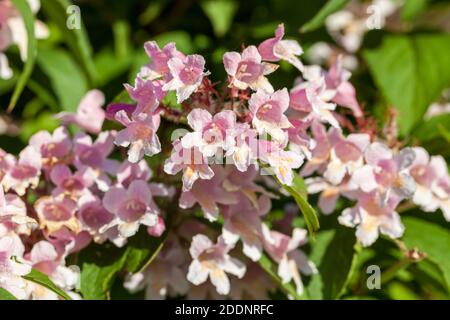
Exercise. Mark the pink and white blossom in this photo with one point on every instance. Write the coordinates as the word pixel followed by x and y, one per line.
pixel 89 115
pixel 267 112
pixel 187 75
pixel 213 261
pixel 276 49
pixel 247 70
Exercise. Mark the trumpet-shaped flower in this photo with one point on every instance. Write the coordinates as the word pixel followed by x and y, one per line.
pixel 211 134
pixel 247 70
pixel 139 135
pixel 89 115
pixel 267 112
pixel 213 260
pixel 187 75
pixel 131 208
pixel 291 261
pixel 276 49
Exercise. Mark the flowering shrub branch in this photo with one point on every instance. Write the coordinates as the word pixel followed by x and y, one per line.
pixel 237 147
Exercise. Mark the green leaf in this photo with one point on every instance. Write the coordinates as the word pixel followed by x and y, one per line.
pixel 318 20
pixel 67 80
pixel 76 39
pixel 411 72
pixel 270 267
pixel 431 239
pixel 110 66
pixel 334 255
pixel 298 191
pixel 100 264
pixel 6 295
pixel 430 129
pixel 412 8
pixel 220 13
pixel 142 249
pixel 28 18
pixel 43 280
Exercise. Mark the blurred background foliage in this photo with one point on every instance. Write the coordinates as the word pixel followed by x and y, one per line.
pixel 407 67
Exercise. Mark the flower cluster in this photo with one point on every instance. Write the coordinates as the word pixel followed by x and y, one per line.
pixel 65 190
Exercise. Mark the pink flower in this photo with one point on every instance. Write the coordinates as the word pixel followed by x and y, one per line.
pixel 131 207
pixel 128 171
pixel 346 155
pixel 147 94
pixel 54 148
pixel 291 261
pixel 71 184
pixel 23 173
pixel 43 257
pixel 211 134
pixel 213 260
pixel 281 162
pixel 300 141
pixel 372 215
pixel 329 193
pixel 159 68
pixel 337 79
pixel 267 112
pixel 158 229
pixel 313 96
pixel 93 217
pixel 321 151
pixel 90 115
pixel 139 135
pixel 13 215
pixel 13 267
pixel 209 194
pixel 93 155
pixel 189 160
pixel 187 75
pixel 243 221
pixel 432 182
pixel 276 49
pixel 386 171
pixel 244 151
pixel 54 213
pixel 247 70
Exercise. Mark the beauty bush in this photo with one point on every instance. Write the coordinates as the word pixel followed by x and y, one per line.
pixel 233 150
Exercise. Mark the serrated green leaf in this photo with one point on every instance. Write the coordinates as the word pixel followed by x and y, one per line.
pixel 28 18
pixel 43 280
pixel 220 13
pixel 76 39
pixel 411 72
pixel 333 253
pixel 66 78
pixel 331 7
pixel 431 239
pixel 6 295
